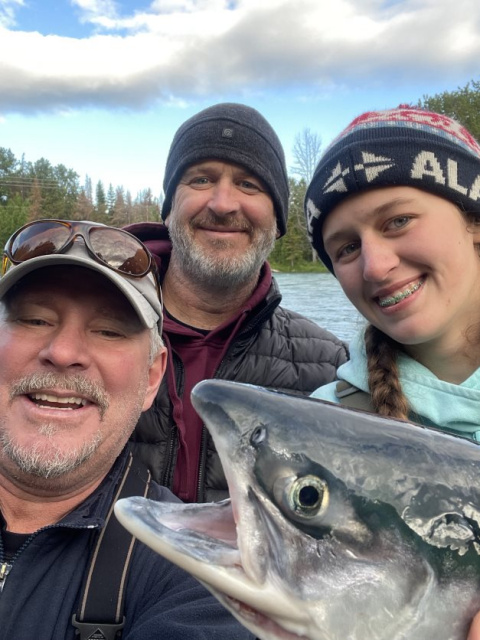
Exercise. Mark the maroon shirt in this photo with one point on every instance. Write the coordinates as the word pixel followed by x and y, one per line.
pixel 201 353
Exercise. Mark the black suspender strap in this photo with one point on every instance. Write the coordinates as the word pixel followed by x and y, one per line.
pixel 100 613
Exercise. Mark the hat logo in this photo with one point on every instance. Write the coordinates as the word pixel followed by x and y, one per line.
pixel 373 165
pixel 227 132
pixel 313 213
pixel 336 181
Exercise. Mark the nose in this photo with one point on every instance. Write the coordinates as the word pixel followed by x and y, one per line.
pixel 65 349
pixel 224 198
pixel 378 258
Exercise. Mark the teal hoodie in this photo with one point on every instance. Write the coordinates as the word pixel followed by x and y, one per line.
pixel 453 407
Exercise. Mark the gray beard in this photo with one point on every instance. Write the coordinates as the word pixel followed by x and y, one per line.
pixel 47 460
pixel 33 463
pixel 219 273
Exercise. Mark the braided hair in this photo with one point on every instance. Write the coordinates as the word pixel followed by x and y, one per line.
pixel 386 392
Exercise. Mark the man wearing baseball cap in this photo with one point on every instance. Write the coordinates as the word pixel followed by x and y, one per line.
pixel 226 201
pixel 82 357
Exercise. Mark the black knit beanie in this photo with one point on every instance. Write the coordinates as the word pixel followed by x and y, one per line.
pixel 399 147
pixel 234 133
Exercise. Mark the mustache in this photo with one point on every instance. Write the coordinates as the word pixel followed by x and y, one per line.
pixel 232 221
pixel 78 384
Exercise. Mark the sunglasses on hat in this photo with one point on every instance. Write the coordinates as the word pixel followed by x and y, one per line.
pixel 114 248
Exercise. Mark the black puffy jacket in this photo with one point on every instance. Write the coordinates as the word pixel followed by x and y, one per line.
pixel 274 348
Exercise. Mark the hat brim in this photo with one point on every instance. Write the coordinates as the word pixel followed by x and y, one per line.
pixel 148 310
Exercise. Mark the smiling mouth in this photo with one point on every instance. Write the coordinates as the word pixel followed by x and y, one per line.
pixel 224 229
pixel 391 301
pixel 55 402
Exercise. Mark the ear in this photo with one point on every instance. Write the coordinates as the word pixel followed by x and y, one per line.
pixel 155 376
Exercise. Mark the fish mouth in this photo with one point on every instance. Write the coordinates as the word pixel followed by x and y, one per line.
pixel 202 540
pixel 254 619
pixel 398 296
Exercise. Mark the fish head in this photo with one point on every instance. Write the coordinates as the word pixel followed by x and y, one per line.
pixel 331 511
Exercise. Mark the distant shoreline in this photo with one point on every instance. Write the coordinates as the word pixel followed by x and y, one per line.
pixel 302 268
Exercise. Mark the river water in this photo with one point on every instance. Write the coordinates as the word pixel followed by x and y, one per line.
pixel 318 296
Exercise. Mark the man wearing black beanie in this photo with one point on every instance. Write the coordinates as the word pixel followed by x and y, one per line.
pixel 226 201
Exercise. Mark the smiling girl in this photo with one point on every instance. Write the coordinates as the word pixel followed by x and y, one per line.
pixel 393 210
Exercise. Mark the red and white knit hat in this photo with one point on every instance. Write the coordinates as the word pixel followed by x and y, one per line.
pixel 406 146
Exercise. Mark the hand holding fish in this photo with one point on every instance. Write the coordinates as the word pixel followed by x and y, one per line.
pixel 474 633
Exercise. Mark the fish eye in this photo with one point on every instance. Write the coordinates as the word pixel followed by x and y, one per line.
pixel 308 495
pixel 259 434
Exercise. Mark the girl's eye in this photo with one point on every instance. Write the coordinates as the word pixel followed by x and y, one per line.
pixel 348 249
pixel 400 222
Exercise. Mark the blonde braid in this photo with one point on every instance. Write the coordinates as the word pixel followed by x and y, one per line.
pixel 383 381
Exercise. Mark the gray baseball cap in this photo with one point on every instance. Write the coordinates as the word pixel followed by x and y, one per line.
pixel 143 293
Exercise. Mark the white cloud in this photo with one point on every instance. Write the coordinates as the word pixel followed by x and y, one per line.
pixel 95 10
pixel 180 49
pixel 7 11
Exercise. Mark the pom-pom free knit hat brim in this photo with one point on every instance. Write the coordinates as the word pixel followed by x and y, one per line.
pixel 398 147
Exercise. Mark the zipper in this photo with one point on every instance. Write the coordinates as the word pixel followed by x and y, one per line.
pixel 170 456
pixel 202 467
pixel 172 445
pixel 5 569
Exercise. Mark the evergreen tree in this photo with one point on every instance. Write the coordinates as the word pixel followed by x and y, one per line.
pixel 129 213
pixel 68 189
pixel 87 188
pixel 84 209
pixel 119 213
pixel 463 104
pixel 293 249
pixel 100 203
pixel 111 197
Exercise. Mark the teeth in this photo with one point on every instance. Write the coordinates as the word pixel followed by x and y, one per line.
pixel 398 297
pixel 49 398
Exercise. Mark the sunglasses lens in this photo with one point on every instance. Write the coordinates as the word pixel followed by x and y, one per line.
pixel 39 239
pixel 119 251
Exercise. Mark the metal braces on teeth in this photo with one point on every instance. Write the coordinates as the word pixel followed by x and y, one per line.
pixel 392 300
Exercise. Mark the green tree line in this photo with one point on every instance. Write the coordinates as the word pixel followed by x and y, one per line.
pixel 33 190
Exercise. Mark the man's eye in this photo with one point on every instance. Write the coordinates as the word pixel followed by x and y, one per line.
pixel 248 185
pixel 109 333
pixel 34 322
pixel 200 180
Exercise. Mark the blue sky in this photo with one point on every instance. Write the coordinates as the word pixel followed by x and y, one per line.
pixel 101 85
